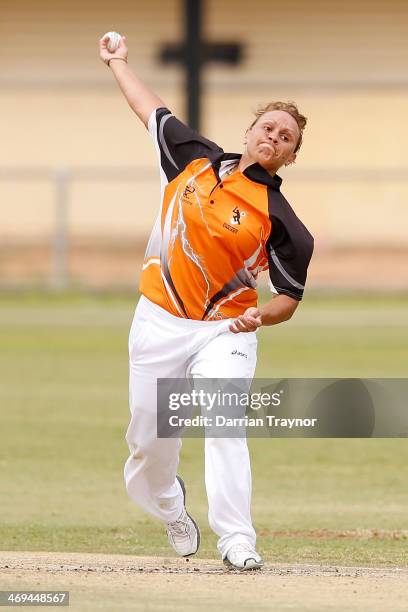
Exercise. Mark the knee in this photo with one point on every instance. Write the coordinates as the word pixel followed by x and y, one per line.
pixel 148 459
pixel 151 448
pixel 140 448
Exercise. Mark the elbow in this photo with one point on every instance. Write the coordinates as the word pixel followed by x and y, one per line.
pixel 289 314
pixel 290 310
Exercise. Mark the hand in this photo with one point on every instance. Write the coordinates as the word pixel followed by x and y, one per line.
pixel 247 322
pixel 106 55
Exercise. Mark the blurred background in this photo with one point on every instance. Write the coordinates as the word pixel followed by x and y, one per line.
pixel 78 175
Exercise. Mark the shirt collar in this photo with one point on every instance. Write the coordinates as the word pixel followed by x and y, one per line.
pixel 255 172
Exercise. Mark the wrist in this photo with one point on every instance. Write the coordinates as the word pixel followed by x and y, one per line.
pixel 262 315
pixel 121 61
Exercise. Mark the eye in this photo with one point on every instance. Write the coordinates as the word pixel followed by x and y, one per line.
pixel 268 128
pixel 285 138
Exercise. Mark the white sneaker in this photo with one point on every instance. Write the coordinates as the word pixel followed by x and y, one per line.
pixel 184 534
pixel 243 557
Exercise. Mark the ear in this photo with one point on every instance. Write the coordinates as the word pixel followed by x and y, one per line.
pixel 291 159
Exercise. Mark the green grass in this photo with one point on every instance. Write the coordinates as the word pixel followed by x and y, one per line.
pixel 63 412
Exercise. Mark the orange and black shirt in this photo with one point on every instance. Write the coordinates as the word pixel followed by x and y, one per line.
pixel 217 229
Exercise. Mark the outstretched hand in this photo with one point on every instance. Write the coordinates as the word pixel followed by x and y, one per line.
pixel 247 322
pixel 106 55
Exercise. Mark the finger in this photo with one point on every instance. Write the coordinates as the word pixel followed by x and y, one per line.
pixel 255 318
pixel 241 325
pixel 248 328
pixel 233 329
pixel 245 323
pixel 252 325
pixel 248 321
pixel 237 327
pixel 254 322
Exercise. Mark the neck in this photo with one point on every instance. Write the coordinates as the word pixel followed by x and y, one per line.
pixel 246 161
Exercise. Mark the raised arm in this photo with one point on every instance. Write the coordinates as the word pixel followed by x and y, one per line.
pixel 140 98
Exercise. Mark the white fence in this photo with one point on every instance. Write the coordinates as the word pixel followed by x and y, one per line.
pixel 361 227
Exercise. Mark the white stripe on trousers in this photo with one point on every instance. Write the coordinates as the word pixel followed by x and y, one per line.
pixel 164 346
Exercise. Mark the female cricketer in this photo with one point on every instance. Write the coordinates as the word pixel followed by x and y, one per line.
pixel 222 220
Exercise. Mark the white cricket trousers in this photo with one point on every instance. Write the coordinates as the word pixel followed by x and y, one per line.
pixel 164 346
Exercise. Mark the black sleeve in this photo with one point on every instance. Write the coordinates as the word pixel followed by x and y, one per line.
pixel 177 144
pixel 289 247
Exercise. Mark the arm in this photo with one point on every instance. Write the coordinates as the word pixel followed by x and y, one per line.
pixel 277 310
pixel 140 98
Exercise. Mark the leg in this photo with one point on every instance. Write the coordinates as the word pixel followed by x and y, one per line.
pixel 150 471
pixel 151 468
pixel 227 463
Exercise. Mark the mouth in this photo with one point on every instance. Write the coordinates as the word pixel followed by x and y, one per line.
pixel 268 145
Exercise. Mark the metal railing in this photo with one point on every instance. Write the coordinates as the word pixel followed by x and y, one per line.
pixel 62 178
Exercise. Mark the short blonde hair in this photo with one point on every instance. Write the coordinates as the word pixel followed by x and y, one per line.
pixel 289 107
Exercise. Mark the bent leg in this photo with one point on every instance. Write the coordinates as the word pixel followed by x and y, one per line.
pixel 151 468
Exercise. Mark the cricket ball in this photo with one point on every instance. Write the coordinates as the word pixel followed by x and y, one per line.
pixel 114 40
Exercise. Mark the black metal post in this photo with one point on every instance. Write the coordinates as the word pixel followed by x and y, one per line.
pixel 193 53
pixel 193 58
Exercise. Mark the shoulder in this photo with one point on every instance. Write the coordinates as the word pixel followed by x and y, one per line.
pixel 286 221
pixel 177 144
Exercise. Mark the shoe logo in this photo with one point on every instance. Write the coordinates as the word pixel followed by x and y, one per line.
pixel 238 214
pixel 235 352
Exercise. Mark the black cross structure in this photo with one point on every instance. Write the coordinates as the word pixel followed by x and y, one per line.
pixel 193 54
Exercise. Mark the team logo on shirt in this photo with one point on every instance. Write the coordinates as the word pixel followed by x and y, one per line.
pixel 230 228
pixel 237 216
pixel 187 192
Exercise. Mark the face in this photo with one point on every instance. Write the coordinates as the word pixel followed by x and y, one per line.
pixel 272 140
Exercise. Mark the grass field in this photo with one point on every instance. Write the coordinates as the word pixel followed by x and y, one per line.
pixel 63 398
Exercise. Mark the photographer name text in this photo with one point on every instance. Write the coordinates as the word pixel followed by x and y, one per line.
pixel 222 421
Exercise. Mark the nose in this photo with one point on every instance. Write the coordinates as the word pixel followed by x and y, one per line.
pixel 273 136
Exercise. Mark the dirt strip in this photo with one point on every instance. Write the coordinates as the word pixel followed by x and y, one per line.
pixel 120 582
pixel 81 562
